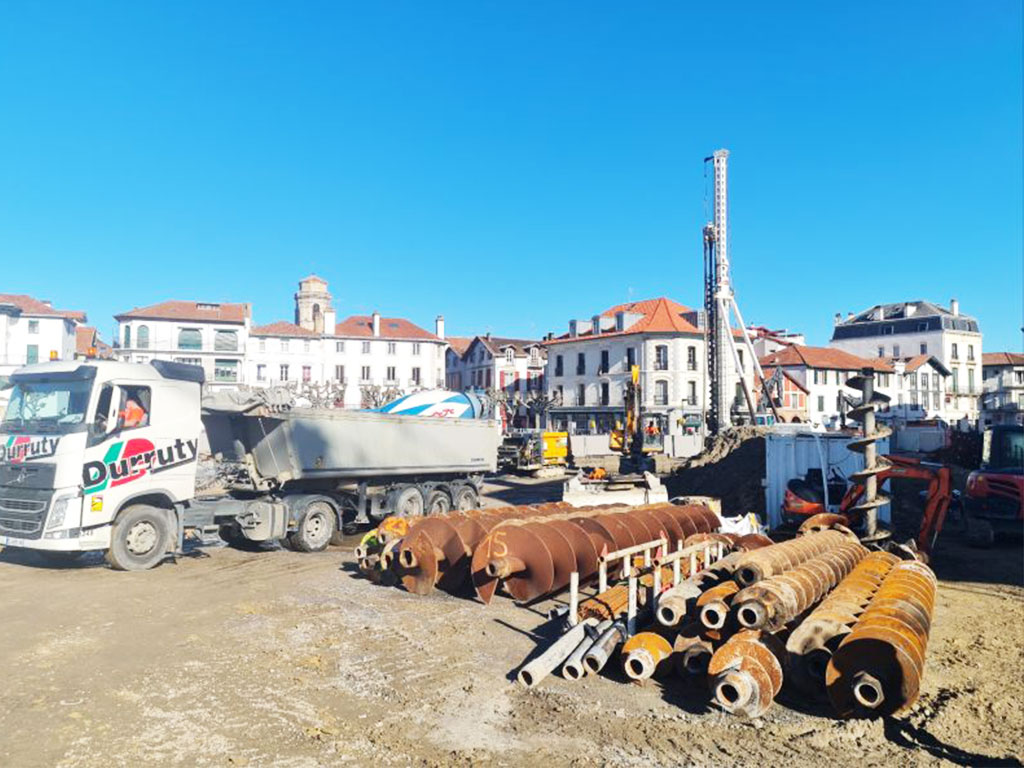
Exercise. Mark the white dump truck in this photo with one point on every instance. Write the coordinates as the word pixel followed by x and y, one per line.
pixel 102 455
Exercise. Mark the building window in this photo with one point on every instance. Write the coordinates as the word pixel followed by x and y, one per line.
pixel 558 365
pixel 743 364
pixel 392 347
pixel 581 363
pixel 488 383
pixel 416 348
pixel 366 347
pixel 661 357
pixel 691 358
pixel 956 380
pixel 560 394
pixel 895 350
pixel 416 376
pixel 630 358
pixel 816 376
pixel 284 372
pixel 127 336
pixel 305 345
pixel 924 349
pixel 284 345
pixel 887 330
pixel 391 373
pixel 935 400
pixel 364 375
pixel 691 398
pixel 534 357
pixel 970 380
pixel 604 362
pixel 604 393
pixel 661 392
pixel 339 373
pixel 261 372
pixel 881 351
pixel 307 373
pixel 31 354
pixel 821 403
pixel 190 338
pixel 581 394
pixel 225 370
pixel 970 353
pixel 339 346
pixel 33 326
pixel 263 345
pixel 510 356
pixel 954 354
pixel 225 341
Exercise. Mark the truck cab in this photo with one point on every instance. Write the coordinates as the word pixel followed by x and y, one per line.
pixel 995 491
pixel 95 455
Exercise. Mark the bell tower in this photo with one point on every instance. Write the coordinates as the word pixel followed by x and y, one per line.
pixel 313 304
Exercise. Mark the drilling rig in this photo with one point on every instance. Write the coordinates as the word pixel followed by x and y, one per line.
pixel 724 364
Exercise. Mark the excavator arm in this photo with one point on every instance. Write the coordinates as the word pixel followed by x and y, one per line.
pixel 940 494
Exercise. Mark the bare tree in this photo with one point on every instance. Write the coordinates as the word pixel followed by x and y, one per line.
pixel 375 396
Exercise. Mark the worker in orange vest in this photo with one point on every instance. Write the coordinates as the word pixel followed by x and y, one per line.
pixel 133 414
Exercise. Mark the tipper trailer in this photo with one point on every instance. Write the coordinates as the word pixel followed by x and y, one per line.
pixel 81 471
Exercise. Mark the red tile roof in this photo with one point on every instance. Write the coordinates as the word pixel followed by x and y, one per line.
pixel 660 315
pixel 361 326
pixel 193 311
pixel 85 338
pixel 823 357
pixel 282 328
pixel 1001 358
pixel 459 344
pixel 30 306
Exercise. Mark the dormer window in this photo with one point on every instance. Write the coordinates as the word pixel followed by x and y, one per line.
pixel 510 356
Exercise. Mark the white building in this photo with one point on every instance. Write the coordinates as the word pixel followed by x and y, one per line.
pixel 208 334
pixel 822 373
pixel 1002 399
pixel 509 368
pixel 363 360
pixel 588 368
pixel 910 328
pixel 32 331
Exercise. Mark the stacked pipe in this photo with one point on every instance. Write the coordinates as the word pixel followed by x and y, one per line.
pixel 877 668
pixel 745 674
pixel 810 645
pixel 769 561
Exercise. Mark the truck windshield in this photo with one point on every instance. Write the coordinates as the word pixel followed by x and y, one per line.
pixel 1003 448
pixel 47 405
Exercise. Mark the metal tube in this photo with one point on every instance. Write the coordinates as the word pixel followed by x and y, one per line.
pixel 599 653
pixel 531 674
pixel 574 668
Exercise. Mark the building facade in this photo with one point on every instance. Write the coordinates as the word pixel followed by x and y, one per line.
pixel 588 369
pixel 211 335
pixel 32 331
pixel 1002 398
pixel 510 370
pixel 911 328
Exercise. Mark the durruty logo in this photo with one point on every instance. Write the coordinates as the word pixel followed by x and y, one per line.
pixel 19 448
pixel 129 460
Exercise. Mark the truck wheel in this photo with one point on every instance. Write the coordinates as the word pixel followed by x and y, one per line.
pixel 315 529
pixel 139 538
pixel 407 502
pixel 464 498
pixel 438 503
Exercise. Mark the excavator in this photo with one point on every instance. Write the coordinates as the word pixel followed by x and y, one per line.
pixel 801 502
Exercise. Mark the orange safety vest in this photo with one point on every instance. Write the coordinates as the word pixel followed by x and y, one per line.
pixel 133 414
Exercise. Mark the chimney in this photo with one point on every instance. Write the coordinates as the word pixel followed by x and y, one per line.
pixel 839 318
pixel 595 325
pixel 572 329
pixel 439 326
pixel 954 307
pixel 849 316
pixel 376 324
pixel 330 322
pixel 879 313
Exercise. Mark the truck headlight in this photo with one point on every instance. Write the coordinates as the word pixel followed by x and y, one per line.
pixel 60 508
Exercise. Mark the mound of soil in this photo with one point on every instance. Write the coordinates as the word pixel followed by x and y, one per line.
pixel 730 468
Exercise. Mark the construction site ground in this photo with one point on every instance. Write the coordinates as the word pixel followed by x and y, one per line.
pixel 232 658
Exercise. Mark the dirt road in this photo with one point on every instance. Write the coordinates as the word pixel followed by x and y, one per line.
pixel 230 658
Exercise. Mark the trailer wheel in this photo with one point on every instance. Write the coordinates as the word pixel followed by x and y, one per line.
pixel 316 528
pixel 465 498
pixel 438 503
pixel 139 538
pixel 407 501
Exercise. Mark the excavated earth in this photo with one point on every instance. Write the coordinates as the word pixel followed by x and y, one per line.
pixel 275 658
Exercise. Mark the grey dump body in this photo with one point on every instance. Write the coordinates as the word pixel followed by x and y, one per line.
pixel 282 445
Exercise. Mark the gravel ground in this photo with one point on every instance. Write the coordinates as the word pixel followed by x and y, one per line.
pixel 230 658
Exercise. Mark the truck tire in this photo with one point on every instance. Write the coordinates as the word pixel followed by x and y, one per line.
pixel 316 528
pixel 407 501
pixel 465 497
pixel 438 503
pixel 139 538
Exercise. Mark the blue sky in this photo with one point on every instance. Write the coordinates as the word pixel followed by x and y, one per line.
pixel 512 165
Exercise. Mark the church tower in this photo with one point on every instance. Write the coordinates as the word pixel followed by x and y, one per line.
pixel 313 309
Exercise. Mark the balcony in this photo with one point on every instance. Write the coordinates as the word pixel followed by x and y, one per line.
pixel 691 365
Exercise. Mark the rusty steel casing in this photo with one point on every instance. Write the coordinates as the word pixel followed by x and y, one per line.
pixel 745 674
pixel 643 653
pixel 877 668
pixel 774 602
pixel 770 561
pixel 810 645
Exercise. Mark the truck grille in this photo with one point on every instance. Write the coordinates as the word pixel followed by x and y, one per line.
pixel 1000 487
pixel 23 512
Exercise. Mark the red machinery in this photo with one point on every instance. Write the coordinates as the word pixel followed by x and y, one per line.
pixel 995 492
pixel 939 496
